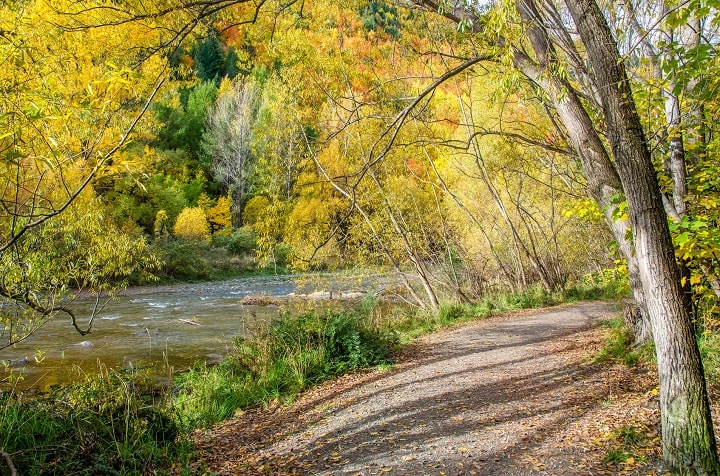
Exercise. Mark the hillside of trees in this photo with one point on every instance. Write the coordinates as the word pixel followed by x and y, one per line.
pixel 470 147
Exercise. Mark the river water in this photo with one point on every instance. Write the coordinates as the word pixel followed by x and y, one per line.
pixel 170 328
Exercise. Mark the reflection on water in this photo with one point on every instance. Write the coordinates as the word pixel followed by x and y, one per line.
pixel 169 327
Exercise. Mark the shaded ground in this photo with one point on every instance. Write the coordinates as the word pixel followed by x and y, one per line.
pixel 512 395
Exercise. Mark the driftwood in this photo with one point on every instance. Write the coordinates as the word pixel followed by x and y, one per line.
pixel 186 321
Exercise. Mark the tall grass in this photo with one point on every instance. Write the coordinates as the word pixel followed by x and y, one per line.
pixel 123 423
pixel 108 425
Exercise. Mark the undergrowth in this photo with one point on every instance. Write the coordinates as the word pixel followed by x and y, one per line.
pixel 105 426
pixel 294 353
pixel 709 343
pixel 619 347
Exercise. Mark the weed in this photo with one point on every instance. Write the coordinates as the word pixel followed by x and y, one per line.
pixel 630 436
pixel 105 425
pixel 627 446
pixel 616 456
pixel 277 363
pixel 709 343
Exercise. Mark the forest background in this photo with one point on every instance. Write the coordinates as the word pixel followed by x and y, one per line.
pixel 260 139
pixel 191 142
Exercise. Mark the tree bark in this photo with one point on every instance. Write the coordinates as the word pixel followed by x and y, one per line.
pixel 687 429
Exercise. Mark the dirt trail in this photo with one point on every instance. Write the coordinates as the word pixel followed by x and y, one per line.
pixel 511 395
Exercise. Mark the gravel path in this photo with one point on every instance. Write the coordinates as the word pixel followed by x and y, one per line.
pixel 509 395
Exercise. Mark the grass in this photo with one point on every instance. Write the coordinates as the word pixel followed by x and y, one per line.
pixel 108 426
pixel 123 423
pixel 626 446
pixel 618 345
pixel 276 364
pixel 709 343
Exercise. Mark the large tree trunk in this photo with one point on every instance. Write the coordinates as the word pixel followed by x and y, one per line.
pixel 687 429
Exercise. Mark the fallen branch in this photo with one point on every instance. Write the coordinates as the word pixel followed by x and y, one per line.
pixel 8 460
pixel 189 322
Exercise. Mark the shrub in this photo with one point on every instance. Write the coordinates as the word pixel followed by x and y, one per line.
pixel 241 241
pixel 254 209
pixel 192 224
pixel 184 259
pixel 219 216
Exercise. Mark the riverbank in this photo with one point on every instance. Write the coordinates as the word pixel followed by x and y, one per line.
pixel 173 327
pixel 136 427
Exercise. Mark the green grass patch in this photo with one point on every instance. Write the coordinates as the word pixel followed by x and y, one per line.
pixel 618 345
pixel 626 446
pixel 294 353
pixel 709 343
pixel 107 425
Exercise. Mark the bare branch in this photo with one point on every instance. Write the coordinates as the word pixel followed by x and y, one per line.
pixel 393 129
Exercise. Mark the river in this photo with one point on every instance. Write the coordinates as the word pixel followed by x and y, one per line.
pixel 170 328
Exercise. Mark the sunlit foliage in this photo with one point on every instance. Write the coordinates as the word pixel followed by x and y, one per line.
pixel 192 224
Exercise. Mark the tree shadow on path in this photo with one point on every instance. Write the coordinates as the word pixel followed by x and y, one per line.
pixel 481 399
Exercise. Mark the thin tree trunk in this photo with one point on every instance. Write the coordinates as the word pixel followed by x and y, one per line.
pixel 687 429
pixel 422 271
pixel 603 182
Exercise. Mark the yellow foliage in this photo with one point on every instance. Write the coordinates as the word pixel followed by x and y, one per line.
pixel 220 216
pixel 161 223
pixel 254 209
pixel 192 224
pixel 205 202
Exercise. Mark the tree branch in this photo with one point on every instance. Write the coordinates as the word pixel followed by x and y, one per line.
pixel 76 193
pixel 9 462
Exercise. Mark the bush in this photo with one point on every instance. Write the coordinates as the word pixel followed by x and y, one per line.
pixel 607 284
pixel 185 260
pixel 291 355
pixel 241 241
pixel 192 224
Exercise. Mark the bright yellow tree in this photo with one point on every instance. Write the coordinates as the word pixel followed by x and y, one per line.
pixel 69 101
pixel 192 224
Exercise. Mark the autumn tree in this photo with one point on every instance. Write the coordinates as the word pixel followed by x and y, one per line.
pixel 69 103
pixel 544 50
pixel 565 53
pixel 229 139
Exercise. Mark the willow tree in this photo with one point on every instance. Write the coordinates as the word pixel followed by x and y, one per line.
pixel 582 75
pixel 66 108
pixel 77 78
